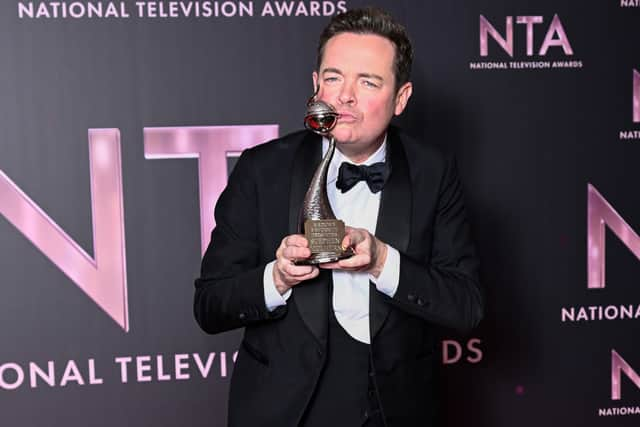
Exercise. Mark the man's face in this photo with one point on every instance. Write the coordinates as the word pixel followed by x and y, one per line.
pixel 356 77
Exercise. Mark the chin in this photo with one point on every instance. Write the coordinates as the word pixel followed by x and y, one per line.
pixel 343 137
pixel 347 143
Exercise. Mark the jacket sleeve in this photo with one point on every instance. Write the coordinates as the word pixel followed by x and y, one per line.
pixel 230 292
pixel 444 289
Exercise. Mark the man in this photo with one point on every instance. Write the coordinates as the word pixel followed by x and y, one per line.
pixel 353 342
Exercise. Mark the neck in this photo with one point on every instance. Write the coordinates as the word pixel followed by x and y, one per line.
pixel 359 155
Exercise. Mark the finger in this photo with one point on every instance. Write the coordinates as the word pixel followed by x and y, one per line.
pixel 280 250
pixel 356 261
pixel 330 265
pixel 314 273
pixel 297 279
pixel 337 266
pixel 296 240
pixel 350 269
pixel 295 252
pixel 298 270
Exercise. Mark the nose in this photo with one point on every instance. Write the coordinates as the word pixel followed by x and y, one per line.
pixel 347 94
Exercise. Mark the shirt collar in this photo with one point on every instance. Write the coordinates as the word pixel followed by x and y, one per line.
pixel 338 158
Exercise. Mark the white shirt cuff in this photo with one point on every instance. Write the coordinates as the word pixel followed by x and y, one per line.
pixel 272 297
pixel 388 280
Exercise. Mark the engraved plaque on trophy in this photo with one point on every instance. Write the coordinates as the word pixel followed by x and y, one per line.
pixel 317 220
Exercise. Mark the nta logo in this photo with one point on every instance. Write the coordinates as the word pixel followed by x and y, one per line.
pixel 103 277
pixel 555 35
pixel 619 365
pixel 601 213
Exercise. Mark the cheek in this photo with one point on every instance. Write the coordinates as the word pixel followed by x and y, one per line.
pixel 328 94
pixel 375 107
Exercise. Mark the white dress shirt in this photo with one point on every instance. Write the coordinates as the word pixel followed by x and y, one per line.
pixel 358 208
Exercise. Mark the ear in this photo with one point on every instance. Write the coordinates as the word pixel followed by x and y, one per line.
pixel 402 97
pixel 314 76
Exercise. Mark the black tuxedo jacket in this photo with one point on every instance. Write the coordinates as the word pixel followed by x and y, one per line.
pixel 283 352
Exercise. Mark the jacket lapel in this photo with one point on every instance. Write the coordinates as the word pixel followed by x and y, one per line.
pixel 394 219
pixel 311 297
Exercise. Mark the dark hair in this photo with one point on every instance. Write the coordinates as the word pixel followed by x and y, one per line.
pixel 372 20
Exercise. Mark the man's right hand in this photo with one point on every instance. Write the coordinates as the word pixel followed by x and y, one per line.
pixel 285 273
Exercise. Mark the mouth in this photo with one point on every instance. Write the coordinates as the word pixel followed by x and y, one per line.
pixel 346 118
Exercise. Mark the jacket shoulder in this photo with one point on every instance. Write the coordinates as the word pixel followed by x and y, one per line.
pixel 272 158
pixel 421 153
pixel 279 147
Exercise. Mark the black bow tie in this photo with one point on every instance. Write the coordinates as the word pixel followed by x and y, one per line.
pixel 349 175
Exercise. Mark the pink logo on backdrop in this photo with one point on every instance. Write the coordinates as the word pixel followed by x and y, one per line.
pixel 636 96
pixel 599 214
pixel 210 145
pixel 103 278
pixel 618 365
pixel 555 35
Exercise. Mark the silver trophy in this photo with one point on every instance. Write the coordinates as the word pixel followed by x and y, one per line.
pixel 317 220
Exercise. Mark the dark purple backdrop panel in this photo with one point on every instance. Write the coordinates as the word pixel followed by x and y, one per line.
pixel 540 101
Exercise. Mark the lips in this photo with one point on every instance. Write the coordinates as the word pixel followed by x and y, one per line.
pixel 346 118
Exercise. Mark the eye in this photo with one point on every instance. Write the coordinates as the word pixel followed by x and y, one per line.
pixel 330 79
pixel 370 84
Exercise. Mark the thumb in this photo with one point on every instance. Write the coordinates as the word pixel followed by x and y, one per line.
pixel 357 236
pixel 346 241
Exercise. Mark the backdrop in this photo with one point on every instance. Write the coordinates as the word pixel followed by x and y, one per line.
pixel 119 122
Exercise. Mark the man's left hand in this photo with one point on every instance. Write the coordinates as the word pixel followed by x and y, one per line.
pixel 370 253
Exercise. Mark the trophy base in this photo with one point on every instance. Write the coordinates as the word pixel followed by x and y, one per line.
pixel 325 237
pixel 325 257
